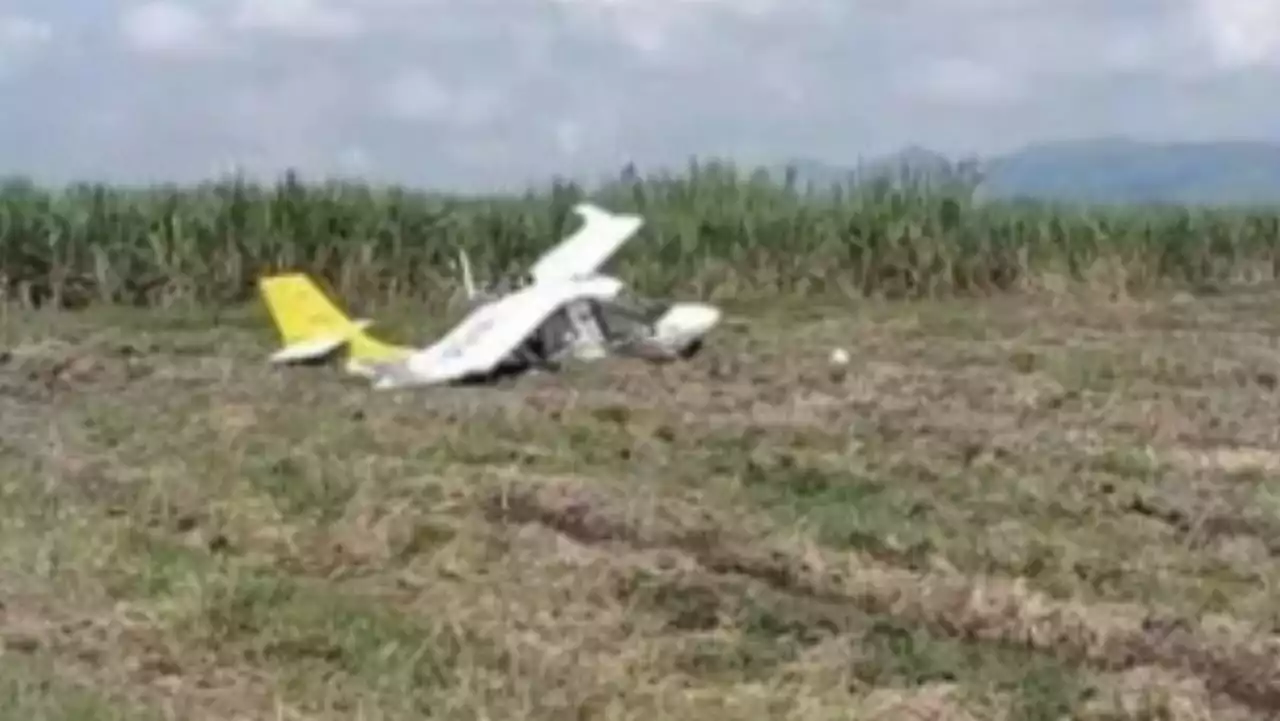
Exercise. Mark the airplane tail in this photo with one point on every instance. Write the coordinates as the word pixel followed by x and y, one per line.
pixel 312 327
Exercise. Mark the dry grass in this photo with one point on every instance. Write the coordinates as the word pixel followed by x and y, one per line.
pixel 1006 509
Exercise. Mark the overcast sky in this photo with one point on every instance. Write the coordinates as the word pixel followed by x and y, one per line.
pixel 469 92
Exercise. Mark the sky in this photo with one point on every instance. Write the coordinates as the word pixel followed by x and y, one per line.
pixel 480 93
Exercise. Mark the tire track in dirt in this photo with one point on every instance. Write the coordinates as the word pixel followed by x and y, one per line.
pixel 1233 661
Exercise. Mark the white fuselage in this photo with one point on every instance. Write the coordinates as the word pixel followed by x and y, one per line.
pixel 597 327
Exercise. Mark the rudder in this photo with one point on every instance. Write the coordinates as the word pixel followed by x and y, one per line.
pixel 300 310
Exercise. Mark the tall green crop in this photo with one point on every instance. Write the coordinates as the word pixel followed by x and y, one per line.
pixel 712 230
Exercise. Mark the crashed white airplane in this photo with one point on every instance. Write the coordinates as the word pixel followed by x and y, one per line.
pixel 565 308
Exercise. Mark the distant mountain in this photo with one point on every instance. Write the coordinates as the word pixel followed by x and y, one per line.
pixel 1104 170
pixel 1128 171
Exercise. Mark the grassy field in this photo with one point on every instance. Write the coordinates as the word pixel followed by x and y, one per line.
pixel 1039 506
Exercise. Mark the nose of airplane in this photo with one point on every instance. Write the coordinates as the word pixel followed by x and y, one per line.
pixel 684 323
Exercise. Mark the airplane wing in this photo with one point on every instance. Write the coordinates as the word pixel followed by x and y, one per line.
pixel 583 253
pixel 488 335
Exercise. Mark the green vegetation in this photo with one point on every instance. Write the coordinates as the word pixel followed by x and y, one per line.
pixel 715 230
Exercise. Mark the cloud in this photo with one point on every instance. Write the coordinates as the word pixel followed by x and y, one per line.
pixel 418 94
pixel 22 33
pixel 21 38
pixel 1241 33
pixel 168 27
pixel 183 28
pixel 959 80
pixel 490 91
pixel 655 28
pixel 305 19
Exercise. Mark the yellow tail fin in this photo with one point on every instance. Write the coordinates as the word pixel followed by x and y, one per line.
pixel 302 312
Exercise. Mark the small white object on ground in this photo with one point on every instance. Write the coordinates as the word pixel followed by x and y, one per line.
pixel 839 357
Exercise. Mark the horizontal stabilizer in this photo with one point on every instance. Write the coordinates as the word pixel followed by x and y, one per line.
pixel 308 350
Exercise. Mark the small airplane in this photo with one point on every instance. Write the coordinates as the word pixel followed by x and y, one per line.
pixel 564 307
